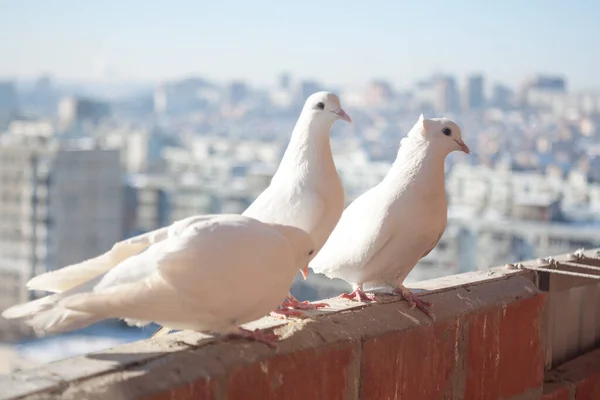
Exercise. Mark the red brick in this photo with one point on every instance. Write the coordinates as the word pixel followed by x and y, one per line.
pixel 411 364
pixel 505 351
pixel 199 390
pixel 589 389
pixel 318 373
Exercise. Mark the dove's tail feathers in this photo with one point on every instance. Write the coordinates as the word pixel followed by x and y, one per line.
pixel 46 315
pixel 74 275
pixel 31 308
pixel 161 332
pixel 66 278
pixel 60 320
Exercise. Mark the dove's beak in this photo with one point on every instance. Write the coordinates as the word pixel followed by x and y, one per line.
pixel 463 146
pixel 304 272
pixel 341 114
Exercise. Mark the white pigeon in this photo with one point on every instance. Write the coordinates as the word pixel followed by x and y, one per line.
pixel 208 273
pixel 384 232
pixel 306 191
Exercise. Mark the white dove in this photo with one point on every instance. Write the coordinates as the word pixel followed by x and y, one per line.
pixel 306 191
pixel 208 273
pixel 384 232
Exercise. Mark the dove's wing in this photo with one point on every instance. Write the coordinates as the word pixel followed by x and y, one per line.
pixel 200 277
pixel 74 275
pixel 361 233
pixel 289 206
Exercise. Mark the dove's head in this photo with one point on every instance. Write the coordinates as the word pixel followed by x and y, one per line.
pixel 442 133
pixel 302 244
pixel 325 107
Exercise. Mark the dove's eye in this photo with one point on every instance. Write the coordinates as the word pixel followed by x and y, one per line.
pixel 321 105
pixel 447 131
pixel 310 253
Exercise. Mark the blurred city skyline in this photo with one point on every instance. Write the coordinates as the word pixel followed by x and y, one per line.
pixel 339 43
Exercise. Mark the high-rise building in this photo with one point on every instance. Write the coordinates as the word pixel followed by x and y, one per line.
pixel 285 81
pixel 446 96
pixel 378 93
pixel 502 96
pixel 541 86
pixel 146 206
pixel 307 87
pixel 72 111
pixel 474 96
pixel 59 205
pixel 8 103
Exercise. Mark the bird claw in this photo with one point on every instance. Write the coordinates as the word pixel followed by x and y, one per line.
pixel 414 301
pixel 292 302
pixel 357 295
pixel 283 312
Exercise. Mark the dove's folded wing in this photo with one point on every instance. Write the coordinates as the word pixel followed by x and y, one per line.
pixel 74 275
pixel 360 234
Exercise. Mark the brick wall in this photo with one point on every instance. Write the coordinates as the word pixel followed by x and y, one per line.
pixel 488 343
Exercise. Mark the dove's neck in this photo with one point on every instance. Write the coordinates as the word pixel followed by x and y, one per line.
pixel 309 150
pixel 418 160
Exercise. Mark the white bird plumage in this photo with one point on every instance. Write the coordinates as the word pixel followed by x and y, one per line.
pixel 384 232
pixel 193 274
pixel 306 190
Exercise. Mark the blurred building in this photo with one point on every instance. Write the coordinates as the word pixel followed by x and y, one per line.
pixel 73 111
pixel 378 93
pixel 284 81
pixel 237 92
pixel 146 206
pixel 541 86
pixel 8 103
pixel 474 96
pixel 501 96
pixel 58 205
pixel 447 98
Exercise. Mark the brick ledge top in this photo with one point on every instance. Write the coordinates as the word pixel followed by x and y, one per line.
pixel 345 322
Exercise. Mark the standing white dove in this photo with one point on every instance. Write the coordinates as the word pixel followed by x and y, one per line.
pixel 306 191
pixel 209 273
pixel 384 232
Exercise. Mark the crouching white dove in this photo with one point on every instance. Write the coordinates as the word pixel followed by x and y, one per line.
pixel 384 232
pixel 207 273
pixel 306 191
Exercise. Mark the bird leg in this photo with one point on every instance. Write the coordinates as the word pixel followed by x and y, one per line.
pixel 266 338
pixel 291 305
pixel 414 300
pixel 358 295
pixel 294 303
pixel 283 312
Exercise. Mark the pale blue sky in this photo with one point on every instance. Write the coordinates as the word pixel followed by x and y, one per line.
pixel 337 41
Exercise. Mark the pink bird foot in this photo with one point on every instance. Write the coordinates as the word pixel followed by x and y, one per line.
pixel 296 304
pixel 414 301
pixel 291 305
pixel 283 312
pixel 357 295
pixel 266 338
